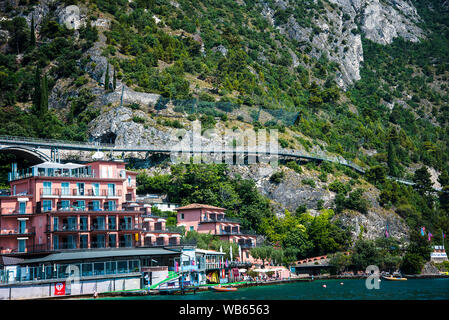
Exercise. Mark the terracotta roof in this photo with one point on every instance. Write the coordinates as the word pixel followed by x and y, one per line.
pixel 199 206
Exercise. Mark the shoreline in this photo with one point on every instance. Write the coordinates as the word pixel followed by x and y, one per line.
pixel 202 288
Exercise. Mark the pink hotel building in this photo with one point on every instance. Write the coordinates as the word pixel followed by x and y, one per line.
pixel 55 206
pixel 209 219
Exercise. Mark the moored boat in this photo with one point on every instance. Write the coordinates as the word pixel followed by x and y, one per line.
pixel 223 289
pixel 394 277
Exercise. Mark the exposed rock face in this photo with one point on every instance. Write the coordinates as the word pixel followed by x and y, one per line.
pixel 117 126
pixel 338 36
pixel 291 192
pixel 429 268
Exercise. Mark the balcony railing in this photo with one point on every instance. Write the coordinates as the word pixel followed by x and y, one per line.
pixel 226 219
pixel 239 232
pixel 246 245
pixel 17 232
pixel 79 193
pixel 167 229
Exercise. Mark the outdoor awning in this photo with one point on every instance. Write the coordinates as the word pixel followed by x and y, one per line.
pixel 54 165
pixel 163 235
pixel 242 270
pixel 23 199
pixel 148 235
pixel 176 235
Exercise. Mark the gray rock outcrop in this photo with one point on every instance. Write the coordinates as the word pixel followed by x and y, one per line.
pixel 336 32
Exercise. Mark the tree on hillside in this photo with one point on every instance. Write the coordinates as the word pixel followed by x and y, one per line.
pixel 106 79
pixel 37 95
pixel 340 261
pixel 43 108
pixel 422 180
pixel 32 33
pixel 443 179
pixel 364 254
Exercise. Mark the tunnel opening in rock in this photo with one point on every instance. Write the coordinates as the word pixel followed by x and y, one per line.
pixel 108 138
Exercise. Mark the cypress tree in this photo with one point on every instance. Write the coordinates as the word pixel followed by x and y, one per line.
pixel 44 97
pixel 106 79
pixel 32 34
pixel 114 81
pixel 37 91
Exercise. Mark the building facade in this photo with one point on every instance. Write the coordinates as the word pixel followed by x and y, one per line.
pixel 54 206
pixel 209 219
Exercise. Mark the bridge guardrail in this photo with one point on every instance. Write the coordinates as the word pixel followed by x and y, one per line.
pixel 155 148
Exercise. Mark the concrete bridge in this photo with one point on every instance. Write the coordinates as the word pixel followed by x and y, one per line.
pixel 45 149
pixel 39 150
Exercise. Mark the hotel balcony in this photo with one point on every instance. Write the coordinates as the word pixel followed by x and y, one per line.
pixel 236 232
pixel 167 229
pixel 17 232
pixel 93 228
pixel 70 193
pixel 215 219
pixel 14 214
pixel 69 173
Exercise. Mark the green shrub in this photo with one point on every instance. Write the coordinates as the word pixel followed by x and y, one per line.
pixel 277 177
pixel 309 182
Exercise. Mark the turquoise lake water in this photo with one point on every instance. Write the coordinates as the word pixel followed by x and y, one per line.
pixel 412 289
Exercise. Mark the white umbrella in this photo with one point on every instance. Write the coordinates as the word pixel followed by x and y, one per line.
pixel 221 249
pixel 240 253
pixel 230 251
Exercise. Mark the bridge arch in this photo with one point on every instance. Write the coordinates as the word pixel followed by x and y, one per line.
pixel 32 155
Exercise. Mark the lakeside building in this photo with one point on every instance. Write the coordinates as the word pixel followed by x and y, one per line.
pixel 439 254
pixel 60 221
pixel 54 206
pixel 158 201
pixel 209 219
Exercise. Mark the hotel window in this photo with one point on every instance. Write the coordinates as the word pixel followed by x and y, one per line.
pixel 55 224
pixel 22 245
pixel 100 223
pixel 65 188
pixel 94 205
pixel 83 223
pixel 64 205
pixel 129 180
pixel 13 190
pixel 112 241
pixel 46 205
pixel 83 241
pixel 22 226
pixel 71 223
pixel 111 205
pixel 80 188
pixel 55 242
pixel 111 189
pixel 112 223
pixel 22 207
pixel 80 205
pixel 47 188
pixel 96 189
pixel 126 223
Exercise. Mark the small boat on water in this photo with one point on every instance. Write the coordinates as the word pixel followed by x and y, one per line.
pixel 223 289
pixel 394 277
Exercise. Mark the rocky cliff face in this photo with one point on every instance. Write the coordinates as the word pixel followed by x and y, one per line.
pixel 337 32
pixel 291 193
